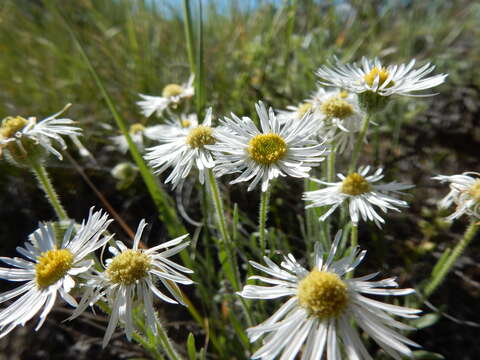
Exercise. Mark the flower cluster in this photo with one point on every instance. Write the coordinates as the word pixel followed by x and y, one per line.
pixel 54 268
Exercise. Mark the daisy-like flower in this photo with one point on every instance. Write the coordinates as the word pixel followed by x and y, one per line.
pixel 375 77
pixel 464 193
pixel 22 137
pixel 321 306
pixel 182 149
pixel 337 111
pixel 137 133
pixel 374 83
pixel 361 193
pixel 172 95
pixel 130 279
pixel 263 155
pixel 49 270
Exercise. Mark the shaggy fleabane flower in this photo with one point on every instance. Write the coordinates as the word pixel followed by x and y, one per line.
pixel 372 80
pixel 28 139
pixel 316 319
pixel 276 150
pixel 172 95
pixel 137 132
pixel 49 269
pixel 464 193
pixel 337 112
pixel 130 279
pixel 361 193
pixel 183 149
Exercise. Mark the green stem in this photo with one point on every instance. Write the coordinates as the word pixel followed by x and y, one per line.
pixel 231 268
pixel 359 143
pixel 47 186
pixel 353 244
pixel 262 219
pixel 447 266
pixel 331 164
pixel 167 345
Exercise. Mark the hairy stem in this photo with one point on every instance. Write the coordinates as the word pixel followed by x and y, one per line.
pixel 262 218
pixel 41 175
pixel 447 266
pixel 359 143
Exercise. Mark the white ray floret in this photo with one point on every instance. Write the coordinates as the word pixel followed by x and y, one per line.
pixel 262 155
pixel 464 193
pixel 130 279
pixel 184 149
pixel 372 75
pixel 172 95
pixel 361 193
pixel 47 133
pixel 316 321
pixel 49 270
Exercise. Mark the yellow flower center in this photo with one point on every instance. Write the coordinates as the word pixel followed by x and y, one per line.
pixel 382 74
pixel 323 294
pixel 52 266
pixel 128 267
pixel 474 190
pixel 10 125
pixel 335 107
pixel 186 123
pixel 136 128
pixel 303 109
pixel 172 90
pixel 355 184
pixel 266 148
pixel 200 136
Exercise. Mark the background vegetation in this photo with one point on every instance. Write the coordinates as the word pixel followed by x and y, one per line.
pixel 267 52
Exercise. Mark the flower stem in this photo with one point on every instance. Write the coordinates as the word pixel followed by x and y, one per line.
pixel 439 276
pixel 44 182
pixel 331 164
pixel 353 244
pixel 167 345
pixel 358 144
pixel 262 218
pixel 229 265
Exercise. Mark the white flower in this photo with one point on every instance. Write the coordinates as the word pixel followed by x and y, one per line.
pixel 361 193
pixel 464 192
pixel 375 77
pixel 321 306
pixel 172 95
pixel 337 112
pixel 130 279
pixel 263 155
pixel 19 130
pixel 137 132
pixel 49 270
pixel 171 126
pixel 182 149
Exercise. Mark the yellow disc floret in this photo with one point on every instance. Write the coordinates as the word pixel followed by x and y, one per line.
pixel 355 184
pixel 474 190
pixel 335 107
pixel 343 94
pixel 323 294
pixel 11 125
pixel 200 136
pixel 128 267
pixel 172 90
pixel 382 74
pixel 266 148
pixel 186 123
pixel 303 109
pixel 52 266
pixel 136 128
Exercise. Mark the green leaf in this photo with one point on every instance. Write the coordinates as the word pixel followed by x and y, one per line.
pixel 191 347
